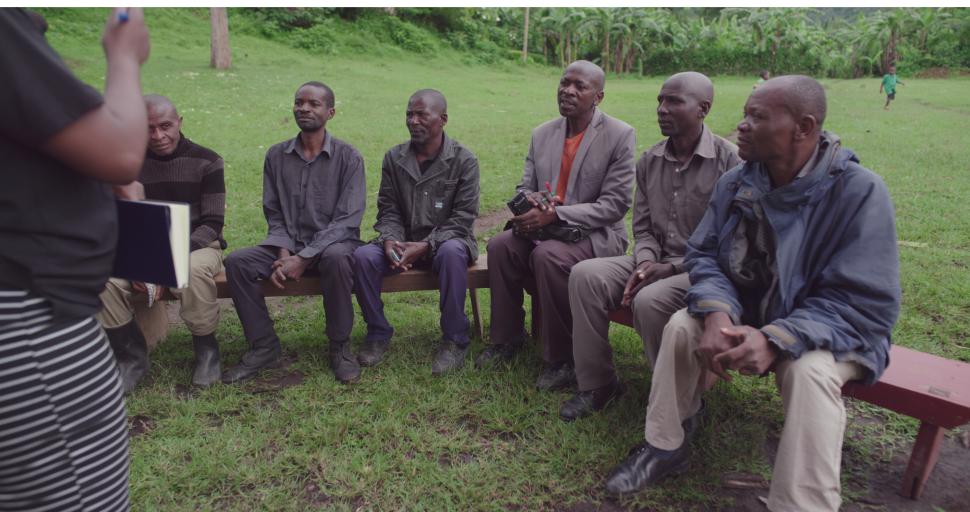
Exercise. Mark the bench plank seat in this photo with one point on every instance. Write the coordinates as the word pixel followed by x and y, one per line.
pixel 932 389
pixel 412 280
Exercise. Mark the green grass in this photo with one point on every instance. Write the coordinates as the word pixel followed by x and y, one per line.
pixel 481 440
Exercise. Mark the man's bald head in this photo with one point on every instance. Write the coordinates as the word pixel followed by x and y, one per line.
pixel 160 103
pixel 695 84
pixel 164 125
pixel 432 100
pixel 801 95
pixel 594 73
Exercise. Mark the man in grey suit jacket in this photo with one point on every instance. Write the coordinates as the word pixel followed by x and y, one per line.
pixel 587 159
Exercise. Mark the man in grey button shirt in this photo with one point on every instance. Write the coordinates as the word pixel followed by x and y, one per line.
pixel 313 199
pixel 674 182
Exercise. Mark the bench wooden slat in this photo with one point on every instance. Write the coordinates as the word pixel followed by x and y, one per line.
pixel 924 386
pixel 410 281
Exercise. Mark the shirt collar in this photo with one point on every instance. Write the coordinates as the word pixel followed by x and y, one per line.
pixel 704 148
pixel 297 143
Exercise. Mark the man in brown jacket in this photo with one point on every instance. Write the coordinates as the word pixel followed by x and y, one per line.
pixel 587 159
pixel 674 182
pixel 427 204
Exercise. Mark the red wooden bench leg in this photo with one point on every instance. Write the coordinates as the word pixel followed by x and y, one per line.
pixel 473 295
pixel 921 461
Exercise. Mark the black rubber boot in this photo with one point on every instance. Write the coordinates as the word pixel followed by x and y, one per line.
pixel 208 369
pixel 131 354
pixel 343 362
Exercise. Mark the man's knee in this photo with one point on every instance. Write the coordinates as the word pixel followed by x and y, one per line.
pixel 451 251
pixel 336 258
pixel 681 331
pixel 585 278
pixel 500 243
pixel 813 372
pixel 549 256
pixel 235 261
pixel 368 258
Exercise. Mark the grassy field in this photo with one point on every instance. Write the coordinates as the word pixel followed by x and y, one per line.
pixel 483 440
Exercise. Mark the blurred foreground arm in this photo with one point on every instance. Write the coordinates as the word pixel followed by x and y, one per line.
pixel 108 143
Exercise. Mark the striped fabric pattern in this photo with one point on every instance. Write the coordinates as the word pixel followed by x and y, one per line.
pixel 63 430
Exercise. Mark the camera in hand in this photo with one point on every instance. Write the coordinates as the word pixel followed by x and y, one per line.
pixel 520 203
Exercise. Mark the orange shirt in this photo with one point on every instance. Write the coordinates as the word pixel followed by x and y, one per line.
pixel 569 149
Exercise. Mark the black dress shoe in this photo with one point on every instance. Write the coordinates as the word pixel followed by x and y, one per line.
pixel 556 377
pixel 496 353
pixel 647 465
pixel 252 362
pixel 343 362
pixel 449 357
pixel 585 403
pixel 372 352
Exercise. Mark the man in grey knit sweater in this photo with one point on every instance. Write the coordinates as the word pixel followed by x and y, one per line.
pixel 175 169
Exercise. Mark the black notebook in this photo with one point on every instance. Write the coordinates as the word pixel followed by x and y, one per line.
pixel 153 242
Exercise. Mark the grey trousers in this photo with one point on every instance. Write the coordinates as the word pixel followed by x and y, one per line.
pixel 247 268
pixel 595 289
pixel 806 472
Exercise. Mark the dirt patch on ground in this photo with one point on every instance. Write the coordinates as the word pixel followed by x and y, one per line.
pixel 315 498
pixel 139 425
pixel 491 222
pixel 278 378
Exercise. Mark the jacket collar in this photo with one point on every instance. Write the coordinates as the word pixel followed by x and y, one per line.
pixel 830 161
pixel 408 160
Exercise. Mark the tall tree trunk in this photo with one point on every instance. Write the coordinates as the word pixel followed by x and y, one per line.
pixel 606 49
pixel 525 37
pixel 221 53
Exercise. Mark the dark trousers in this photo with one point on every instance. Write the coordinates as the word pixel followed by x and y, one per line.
pixel 450 264
pixel 247 268
pixel 517 264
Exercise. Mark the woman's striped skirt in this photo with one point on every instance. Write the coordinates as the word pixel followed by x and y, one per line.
pixel 63 430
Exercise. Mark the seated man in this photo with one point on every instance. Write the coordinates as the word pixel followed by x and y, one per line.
pixel 427 204
pixel 794 268
pixel 587 158
pixel 313 200
pixel 175 169
pixel 674 182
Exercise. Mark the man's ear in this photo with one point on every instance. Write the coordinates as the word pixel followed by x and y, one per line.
pixel 444 118
pixel 331 112
pixel 805 127
pixel 705 107
pixel 599 98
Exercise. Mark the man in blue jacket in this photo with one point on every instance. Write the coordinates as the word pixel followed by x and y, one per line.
pixel 794 269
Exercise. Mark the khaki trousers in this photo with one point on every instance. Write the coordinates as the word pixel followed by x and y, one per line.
pixel 806 470
pixel 199 305
pixel 596 288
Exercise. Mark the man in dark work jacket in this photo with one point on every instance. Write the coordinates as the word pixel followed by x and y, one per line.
pixel 427 204
pixel 313 199
pixel 175 169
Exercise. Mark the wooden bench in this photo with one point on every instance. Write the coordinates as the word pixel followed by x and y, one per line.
pixel 932 389
pixel 410 281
